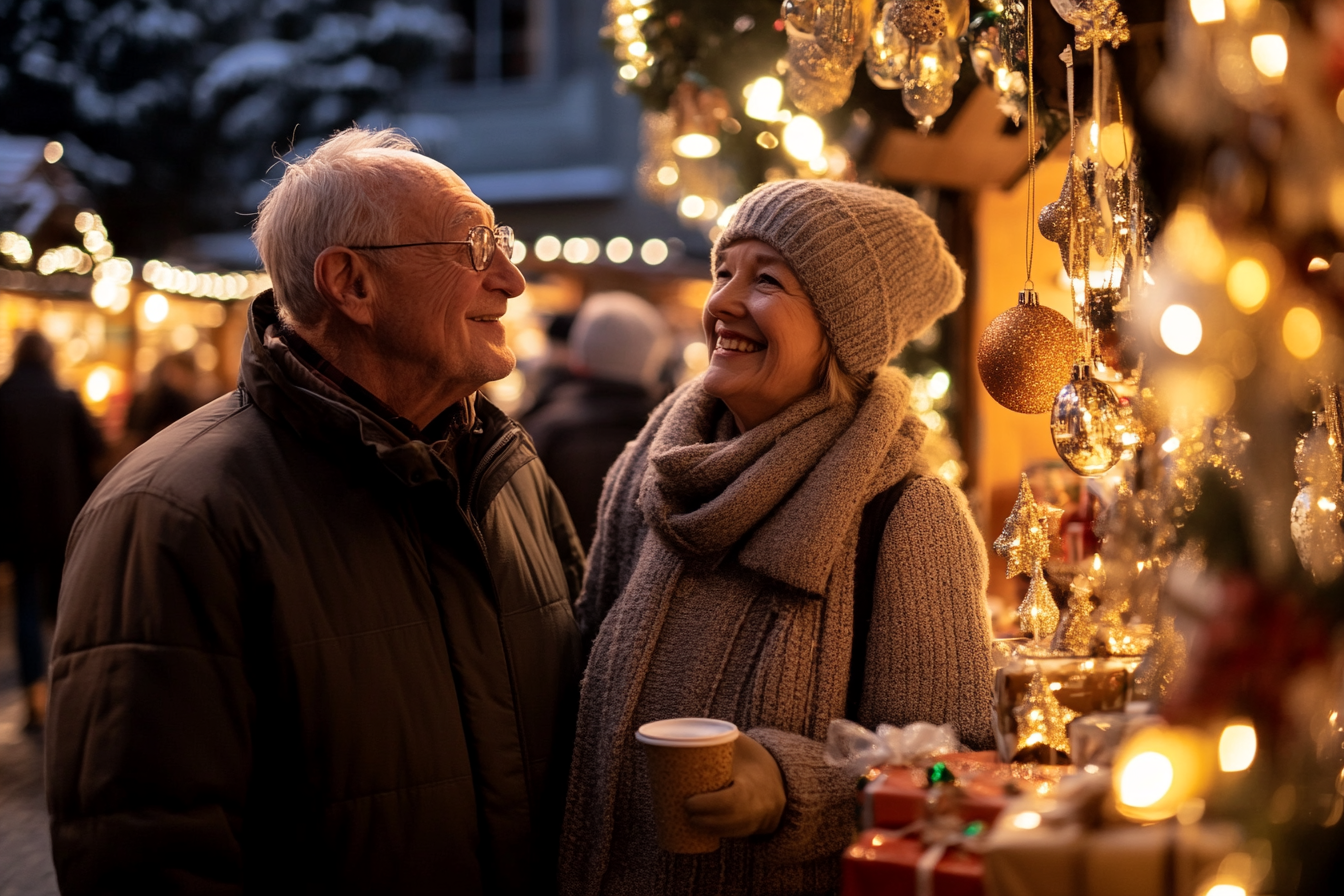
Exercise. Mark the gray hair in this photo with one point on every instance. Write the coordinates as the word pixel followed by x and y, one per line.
pixel 334 196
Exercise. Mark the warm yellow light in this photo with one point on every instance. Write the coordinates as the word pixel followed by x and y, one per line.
pixel 1225 890
pixel 1096 563
pixel 575 250
pixel 52 152
pixel 1115 145
pixel 803 138
pixel 695 146
pixel 1317 264
pixel 692 206
pixel 1301 332
pixel 668 175
pixel 1236 747
pixel 1160 769
pixel 1269 52
pixel 628 72
pixel 547 248
pixel 155 308
pixel 1027 821
pixel 653 252
pixel 939 383
pixel 1206 11
pixel 638 48
pixel 98 384
pixel 519 252
pixel 696 357
pixel 85 221
pixel 620 249
pixel 726 216
pixel 763 97
pixel 1181 329
pixel 1145 779
pixel 1248 284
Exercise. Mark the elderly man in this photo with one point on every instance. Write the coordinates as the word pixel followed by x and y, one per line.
pixel 317 636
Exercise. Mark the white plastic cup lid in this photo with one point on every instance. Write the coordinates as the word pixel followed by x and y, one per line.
pixel 687 733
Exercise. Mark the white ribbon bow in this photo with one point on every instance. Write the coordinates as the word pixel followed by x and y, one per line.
pixel 856 750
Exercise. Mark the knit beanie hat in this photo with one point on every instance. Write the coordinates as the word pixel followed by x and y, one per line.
pixel 873 264
pixel 619 336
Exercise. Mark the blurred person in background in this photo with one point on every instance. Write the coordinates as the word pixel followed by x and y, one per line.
pixel 170 395
pixel 317 636
pixel 550 371
pixel 48 448
pixel 618 347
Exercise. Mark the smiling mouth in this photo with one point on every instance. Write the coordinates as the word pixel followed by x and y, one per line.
pixel 737 344
pixel 488 318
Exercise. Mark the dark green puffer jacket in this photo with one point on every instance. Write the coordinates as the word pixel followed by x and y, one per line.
pixel 295 654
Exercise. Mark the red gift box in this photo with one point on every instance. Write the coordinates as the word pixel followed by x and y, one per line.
pixel 882 863
pixel 896 798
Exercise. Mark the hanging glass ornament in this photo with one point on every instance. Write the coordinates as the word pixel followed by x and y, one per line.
pixel 818 81
pixel 1086 424
pixel 993 66
pixel 922 21
pixel 888 53
pixel 934 70
pixel 1026 354
pixel 1071 11
pixel 799 14
pixel 1317 512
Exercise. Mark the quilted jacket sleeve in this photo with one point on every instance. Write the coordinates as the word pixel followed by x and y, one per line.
pixel 148 745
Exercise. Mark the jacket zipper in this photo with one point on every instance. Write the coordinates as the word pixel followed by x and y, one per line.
pixel 481 469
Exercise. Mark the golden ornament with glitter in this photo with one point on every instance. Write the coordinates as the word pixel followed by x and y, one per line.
pixel 1027 533
pixel 1070 221
pixel 1026 355
pixel 1102 23
pixel 1041 719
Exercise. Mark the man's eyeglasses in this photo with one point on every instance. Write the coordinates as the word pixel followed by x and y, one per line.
pixel 481 240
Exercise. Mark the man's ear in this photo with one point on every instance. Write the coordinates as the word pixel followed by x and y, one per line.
pixel 344 279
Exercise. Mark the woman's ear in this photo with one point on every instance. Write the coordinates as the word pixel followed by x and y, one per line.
pixel 344 279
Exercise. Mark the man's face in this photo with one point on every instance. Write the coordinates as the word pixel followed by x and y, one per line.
pixel 434 310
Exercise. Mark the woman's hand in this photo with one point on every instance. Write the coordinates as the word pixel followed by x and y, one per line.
pixel 752 804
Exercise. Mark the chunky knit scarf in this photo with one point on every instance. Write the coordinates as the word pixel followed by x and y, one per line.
pixel 785 498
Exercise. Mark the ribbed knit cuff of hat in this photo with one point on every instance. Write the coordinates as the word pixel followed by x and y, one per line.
pixel 874 265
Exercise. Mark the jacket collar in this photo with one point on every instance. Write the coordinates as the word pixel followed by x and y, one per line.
pixel 290 392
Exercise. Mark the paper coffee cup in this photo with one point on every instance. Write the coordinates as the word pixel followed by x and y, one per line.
pixel 686 757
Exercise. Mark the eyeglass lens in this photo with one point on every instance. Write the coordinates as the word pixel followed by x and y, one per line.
pixel 483 242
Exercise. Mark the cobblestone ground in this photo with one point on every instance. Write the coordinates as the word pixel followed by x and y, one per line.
pixel 25 846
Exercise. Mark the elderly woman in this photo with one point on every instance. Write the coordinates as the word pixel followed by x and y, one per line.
pixel 723 572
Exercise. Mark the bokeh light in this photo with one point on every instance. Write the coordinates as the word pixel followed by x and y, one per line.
pixel 1301 332
pixel 1181 329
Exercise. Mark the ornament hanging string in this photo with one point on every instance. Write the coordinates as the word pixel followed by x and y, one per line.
pixel 1032 211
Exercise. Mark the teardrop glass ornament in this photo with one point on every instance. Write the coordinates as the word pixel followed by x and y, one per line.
pixel 888 54
pixel 801 14
pixel 1086 424
pixel 934 70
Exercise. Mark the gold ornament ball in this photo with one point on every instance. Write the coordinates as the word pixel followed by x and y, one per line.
pixel 1025 357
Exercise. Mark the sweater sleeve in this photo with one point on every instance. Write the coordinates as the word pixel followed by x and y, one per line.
pixel 819 806
pixel 148 752
pixel 929 642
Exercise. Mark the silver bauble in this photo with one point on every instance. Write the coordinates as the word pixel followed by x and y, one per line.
pixel 1084 424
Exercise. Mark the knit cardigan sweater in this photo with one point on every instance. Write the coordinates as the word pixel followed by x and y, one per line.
pixel 722 582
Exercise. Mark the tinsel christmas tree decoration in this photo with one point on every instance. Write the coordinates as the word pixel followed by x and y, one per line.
pixel 1077 636
pixel 1038 615
pixel 1165 661
pixel 1026 354
pixel 1027 532
pixel 1087 424
pixel 1041 719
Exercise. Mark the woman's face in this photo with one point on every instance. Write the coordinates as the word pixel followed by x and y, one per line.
pixel 766 344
